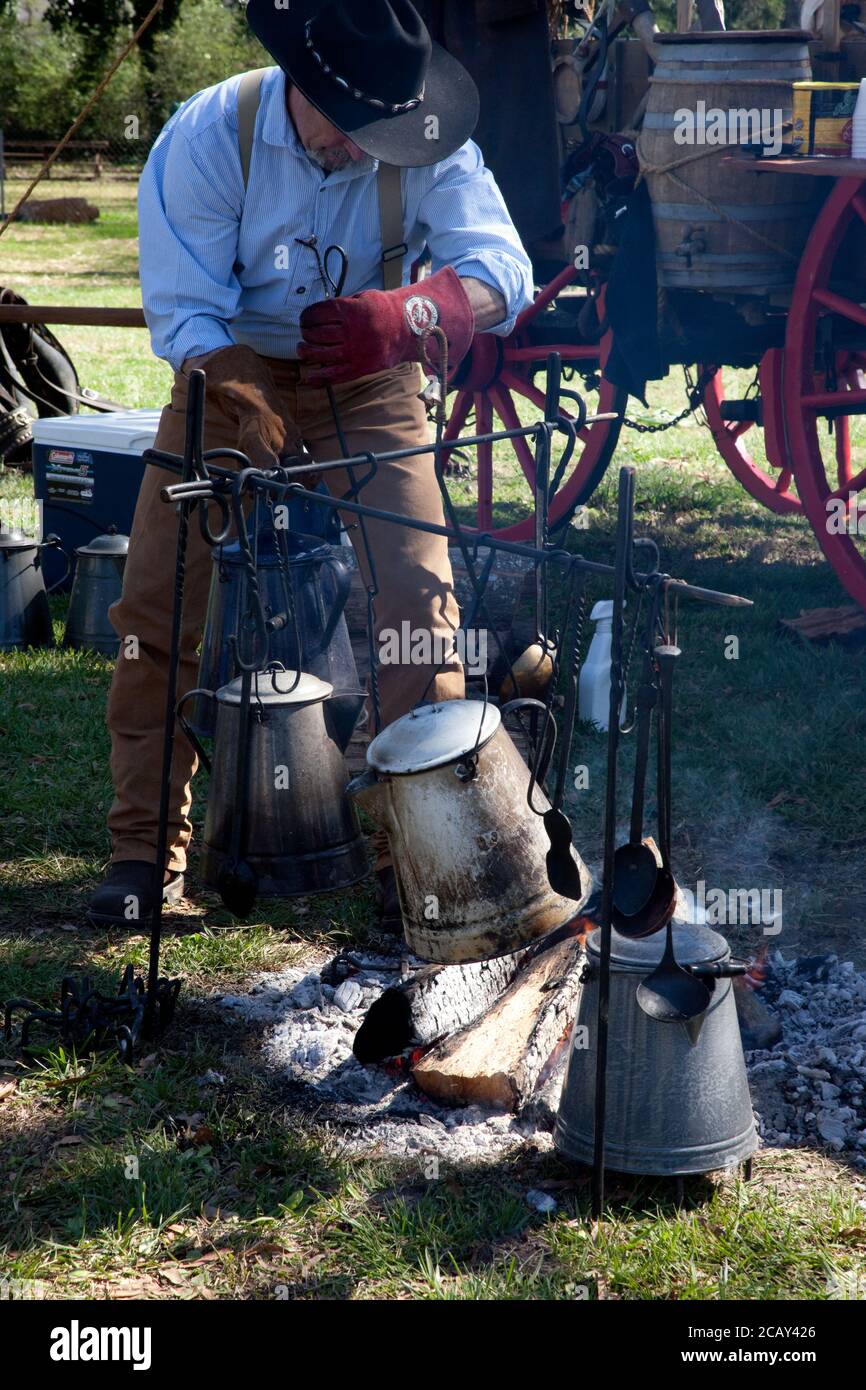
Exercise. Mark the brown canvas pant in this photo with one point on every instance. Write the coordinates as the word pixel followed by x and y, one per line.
pixel 378 413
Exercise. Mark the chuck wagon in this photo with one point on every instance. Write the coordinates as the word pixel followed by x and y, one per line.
pixel 759 263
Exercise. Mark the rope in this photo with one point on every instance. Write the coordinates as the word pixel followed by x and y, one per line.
pixel 83 114
pixel 667 171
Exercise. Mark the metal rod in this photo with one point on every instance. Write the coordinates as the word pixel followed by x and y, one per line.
pixel 194 427
pixel 623 540
pixel 279 488
pixel 392 455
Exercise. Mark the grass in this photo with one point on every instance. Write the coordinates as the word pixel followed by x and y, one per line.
pixel 190 1174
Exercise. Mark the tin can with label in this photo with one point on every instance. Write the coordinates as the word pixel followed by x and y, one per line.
pixel 823 117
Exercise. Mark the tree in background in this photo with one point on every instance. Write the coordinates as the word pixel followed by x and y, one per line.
pixel 49 66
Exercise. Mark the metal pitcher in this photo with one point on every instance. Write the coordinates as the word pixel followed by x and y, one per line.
pixel 25 618
pixel 677 1093
pixel 97 585
pixel 448 784
pixel 320 584
pixel 301 832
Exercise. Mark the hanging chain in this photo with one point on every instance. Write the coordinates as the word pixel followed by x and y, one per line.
pixel 695 391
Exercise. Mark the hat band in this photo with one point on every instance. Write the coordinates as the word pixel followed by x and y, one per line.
pixel 396 108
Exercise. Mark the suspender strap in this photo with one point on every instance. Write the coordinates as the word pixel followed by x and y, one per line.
pixel 394 248
pixel 390 190
pixel 249 94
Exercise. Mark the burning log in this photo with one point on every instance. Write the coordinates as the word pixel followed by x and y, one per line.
pixel 500 1059
pixel 436 1001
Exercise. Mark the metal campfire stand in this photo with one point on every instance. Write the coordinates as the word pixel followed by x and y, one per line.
pixel 88 1018
pixel 143 1009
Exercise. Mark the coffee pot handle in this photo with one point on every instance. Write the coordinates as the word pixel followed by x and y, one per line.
pixel 53 542
pixel 342 583
pixel 719 969
pixel 193 738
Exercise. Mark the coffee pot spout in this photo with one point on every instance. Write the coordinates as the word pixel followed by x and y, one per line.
pixel 369 793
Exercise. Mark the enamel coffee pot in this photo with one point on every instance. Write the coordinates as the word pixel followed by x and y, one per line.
pixel 300 831
pixel 25 618
pixel 448 784
pixel 98 583
pixel 677 1093
pixel 320 582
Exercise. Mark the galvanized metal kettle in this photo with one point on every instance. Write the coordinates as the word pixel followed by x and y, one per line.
pixel 448 784
pixel 320 584
pixel 97 584
pixel 301 832
pixel 25 618
pixel 677 1093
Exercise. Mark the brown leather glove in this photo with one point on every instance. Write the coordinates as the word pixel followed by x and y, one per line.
pixel 242 385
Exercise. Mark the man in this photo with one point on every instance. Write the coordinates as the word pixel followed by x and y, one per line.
pixel 232 284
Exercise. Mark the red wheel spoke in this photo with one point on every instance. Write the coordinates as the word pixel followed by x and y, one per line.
pixel 532 393
pixel 783 482
pixel 546 296
pixel 839 305
pixel 504 407
pixel 457 420
pixel 484 425
pixel 851 485
pixel 830 400
pixel 843 452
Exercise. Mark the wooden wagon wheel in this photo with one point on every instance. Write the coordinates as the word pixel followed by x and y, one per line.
pixel 733 436
pixel 498 372
pixel 820 320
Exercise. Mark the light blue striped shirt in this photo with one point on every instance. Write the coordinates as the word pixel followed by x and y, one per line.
pixel 219 268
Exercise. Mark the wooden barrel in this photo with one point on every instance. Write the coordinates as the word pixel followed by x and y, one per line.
pixel 719 227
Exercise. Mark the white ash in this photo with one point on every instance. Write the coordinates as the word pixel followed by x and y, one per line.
pixel 809 1090
pixel 308 1030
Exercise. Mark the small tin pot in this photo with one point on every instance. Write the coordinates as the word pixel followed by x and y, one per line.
pixel 677 1093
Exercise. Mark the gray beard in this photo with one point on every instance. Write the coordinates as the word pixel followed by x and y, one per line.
pixel 331 164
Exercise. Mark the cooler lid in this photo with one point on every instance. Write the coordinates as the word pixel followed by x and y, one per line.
pixel 693 945
pixel 15 540
pixel 124 431
pixel 432 736
pixel 112 543
pixel 275 688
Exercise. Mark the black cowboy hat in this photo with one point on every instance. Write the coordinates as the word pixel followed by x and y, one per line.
pixel 372 69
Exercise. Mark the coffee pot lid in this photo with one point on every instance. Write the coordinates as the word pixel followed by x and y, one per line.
pixel 111 543
pixel 277 688
pixel 693 945
pixel 433 735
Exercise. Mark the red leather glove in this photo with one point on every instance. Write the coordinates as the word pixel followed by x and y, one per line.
pixel 377 329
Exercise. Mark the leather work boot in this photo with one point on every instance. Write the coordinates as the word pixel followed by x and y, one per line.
pixel 125 896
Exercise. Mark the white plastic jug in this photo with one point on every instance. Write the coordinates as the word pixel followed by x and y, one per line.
pixel 594 688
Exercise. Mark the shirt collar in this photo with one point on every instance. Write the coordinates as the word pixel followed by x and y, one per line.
pixel 278 129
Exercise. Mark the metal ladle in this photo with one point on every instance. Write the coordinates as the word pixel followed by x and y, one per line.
pixel 669 994
pixel 635 871
pixel 563 873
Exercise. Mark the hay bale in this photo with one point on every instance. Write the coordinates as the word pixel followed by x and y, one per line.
pixel 58 210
